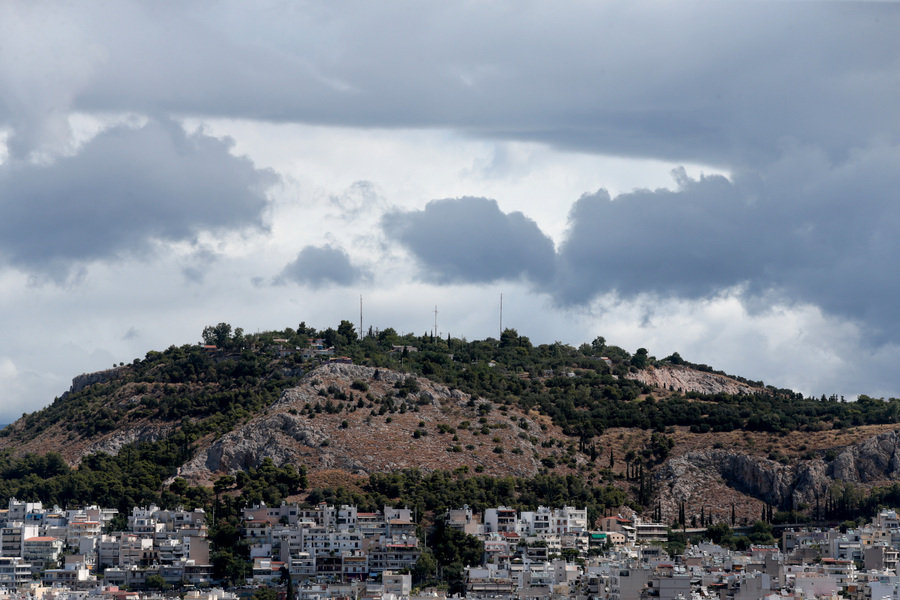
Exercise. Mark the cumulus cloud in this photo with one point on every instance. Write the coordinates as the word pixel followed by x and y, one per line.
pixel 41 72
pixel 124 190
pixel 472 240
pixel 320 266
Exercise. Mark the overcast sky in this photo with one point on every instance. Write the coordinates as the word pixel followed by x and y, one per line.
pixel 718 179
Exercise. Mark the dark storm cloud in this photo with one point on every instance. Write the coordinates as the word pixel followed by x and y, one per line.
pixel 805 229
pixel 320 266
pixel 472 240
pixel 689 242
pixel 124 190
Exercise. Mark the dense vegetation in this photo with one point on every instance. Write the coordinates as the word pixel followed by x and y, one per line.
pixel 214 392
pixel 136 476
pixel 584 395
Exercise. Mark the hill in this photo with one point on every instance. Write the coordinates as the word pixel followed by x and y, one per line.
pixel 665 435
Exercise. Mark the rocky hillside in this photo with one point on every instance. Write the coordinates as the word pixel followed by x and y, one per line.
pixel 433 428
pixel 664 432
pixel 456 430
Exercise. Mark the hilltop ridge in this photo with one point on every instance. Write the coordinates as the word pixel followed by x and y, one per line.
pixel 661 431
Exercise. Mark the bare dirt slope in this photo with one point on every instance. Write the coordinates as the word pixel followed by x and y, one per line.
pixel 454 430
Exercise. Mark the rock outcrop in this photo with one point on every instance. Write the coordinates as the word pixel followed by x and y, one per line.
pixel 282 437
pixel 873 460
pixel 691 474
pixel 683 379
pixel 112 443
pixel 701 475
pixel 87 379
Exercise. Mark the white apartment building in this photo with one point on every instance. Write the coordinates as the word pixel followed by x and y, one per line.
pixel 13 536
pixel 42 551
pixel 18 511
pixel 320 541
pixel 501 520
pixel 547 521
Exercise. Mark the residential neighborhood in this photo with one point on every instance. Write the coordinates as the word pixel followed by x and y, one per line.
pixel 341 552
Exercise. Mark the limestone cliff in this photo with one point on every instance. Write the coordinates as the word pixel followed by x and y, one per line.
pixel 709 477
pixel 692 476
pixel 874 460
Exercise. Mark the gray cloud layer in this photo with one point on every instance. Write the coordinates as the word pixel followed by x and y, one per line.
pixel 123 190
pixel 319 266
pixel 718 83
